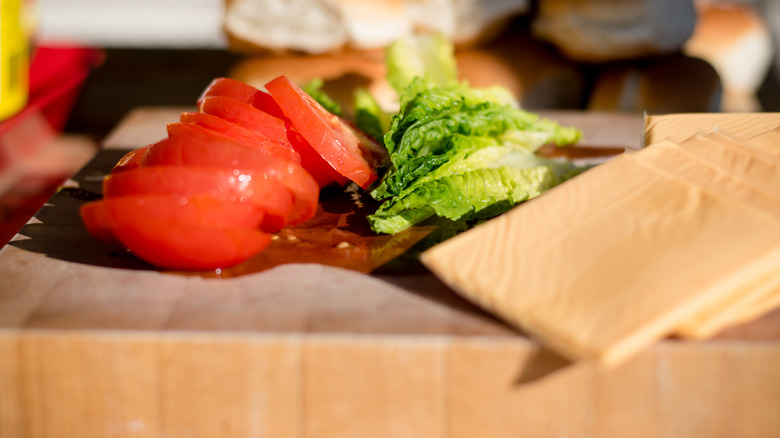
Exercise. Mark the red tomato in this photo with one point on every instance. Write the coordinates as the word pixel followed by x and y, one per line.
pixel 246 115
pixel 255 139
pixel 191 145
pixel 265 102
pixel 183 246
pixel 324 131
pixel 103 216
pixel 131 160
pixel 229 88
pixel 243 92
pixel 313 162
pixel 266 194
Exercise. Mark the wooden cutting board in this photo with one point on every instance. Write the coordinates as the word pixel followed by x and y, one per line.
pixel 96 344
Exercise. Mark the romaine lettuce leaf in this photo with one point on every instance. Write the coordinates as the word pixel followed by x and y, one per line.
pixel 474 184
pixel 458 154
pixel 425 56
pixel 369 117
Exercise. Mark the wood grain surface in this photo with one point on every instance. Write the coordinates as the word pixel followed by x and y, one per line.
pixel 97 346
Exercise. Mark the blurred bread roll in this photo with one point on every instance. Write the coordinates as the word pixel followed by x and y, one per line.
pixel 322 26
pixel 342 73
pixel 607 30
pixel 669 84
pixel 538 76
pixel 736 41
pixel 535 74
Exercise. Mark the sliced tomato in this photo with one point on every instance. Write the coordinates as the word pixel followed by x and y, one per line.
pixel 247 137
pixel 265 194
pixel 241 91
pixel 313 162
pixel 109 213
pixel 229 88
pixel 265 102
pixel 131 160
pixel 191 146
pixel 183 246
pixel 246 115
pixel 324 131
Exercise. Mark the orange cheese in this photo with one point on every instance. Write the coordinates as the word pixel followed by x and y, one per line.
pixel 680 237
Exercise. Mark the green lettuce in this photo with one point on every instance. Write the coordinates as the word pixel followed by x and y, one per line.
pixel 483 179
pixel 314 89
pixel 458 154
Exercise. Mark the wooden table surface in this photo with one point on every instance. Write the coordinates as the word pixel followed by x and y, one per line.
pixel 100 346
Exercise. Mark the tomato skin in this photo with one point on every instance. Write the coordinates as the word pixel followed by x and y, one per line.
pixel 105 215
pixel 229 88
pixel 184 246
pixel 313 162
pixel 265 194
pixel 190 146
pixel 324 131
pixel 235 89
pixel 255 139
pixel 265 102
pixel 246 115
pixel 131 160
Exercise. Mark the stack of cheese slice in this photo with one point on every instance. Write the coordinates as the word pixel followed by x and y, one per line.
pixel 681 237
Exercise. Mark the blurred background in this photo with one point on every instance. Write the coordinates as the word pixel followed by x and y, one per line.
pixel 90 62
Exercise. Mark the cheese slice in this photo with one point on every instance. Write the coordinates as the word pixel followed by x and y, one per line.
pixel 678 127
pixel 769 141
pixel 607 281
pixel 677 160
pixel 754 162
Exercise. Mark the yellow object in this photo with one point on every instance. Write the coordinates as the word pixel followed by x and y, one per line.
pixel 678 127
pixel 681 237
pixel 14 58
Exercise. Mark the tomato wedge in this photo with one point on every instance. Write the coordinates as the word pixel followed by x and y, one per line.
pixel 246 115
pixel 191 145
pixel 324 131
pixel 265 194
pixel 184 246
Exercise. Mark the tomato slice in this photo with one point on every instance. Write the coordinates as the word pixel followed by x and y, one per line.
pixel 265 194
pixel 182 246
pixel 247 137
pixel 131 160
pixel 229 88
pixel 324 131
pixel 191 145
pixel 241 91
pixel 265 102
pixel 246 115
pixel 313 162
pixel 106 214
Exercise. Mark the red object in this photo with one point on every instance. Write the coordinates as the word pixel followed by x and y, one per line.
pixel 246 115
pixel 324 131
pixel 265 194
pixel 313 162
pixel 247 137
pixel 56 77
pixel 205 196
pixel 194 147
pixel 191 247
pixel 106 215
